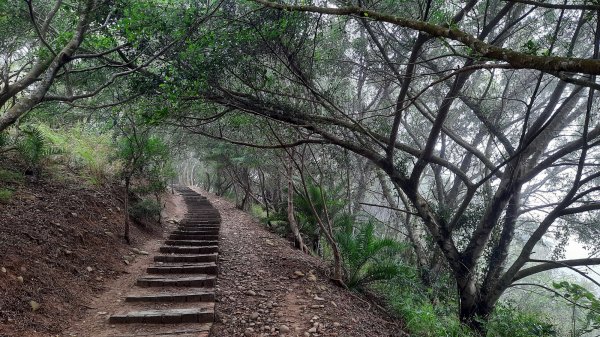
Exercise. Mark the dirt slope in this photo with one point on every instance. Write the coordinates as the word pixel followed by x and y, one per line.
pixel 268 288
pixel 59 247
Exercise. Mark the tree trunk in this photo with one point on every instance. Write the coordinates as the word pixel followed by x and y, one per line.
pixel 474 309
pixel 126 234
pixel 298 242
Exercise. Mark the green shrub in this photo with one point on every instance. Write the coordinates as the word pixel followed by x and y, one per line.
pixel 406 297
pixel 146 209
pixel 366 257
pixel 506 321
pixel 86 150
pixel 35 149
pixel 5 195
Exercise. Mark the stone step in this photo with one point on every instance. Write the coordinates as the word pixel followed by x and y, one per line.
pixel 208 268
pixel 194 237
pixel 186 258
pixel 189 249
pixel 200 295
pixel 199 227
pixel 202 220
pixel 196 231
pixel 166 316
pixel 177 281
pixel 195 243
pixel 202 217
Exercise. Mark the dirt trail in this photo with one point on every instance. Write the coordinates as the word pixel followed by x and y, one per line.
pixel 268 288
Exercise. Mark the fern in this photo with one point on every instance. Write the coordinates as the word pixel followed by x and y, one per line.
pixel 367 258
pixel 35 148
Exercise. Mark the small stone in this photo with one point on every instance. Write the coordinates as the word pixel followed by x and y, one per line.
pixel 20 279
pixel 102 312
pixel 68 252
pixel 284 328
pixel 3 270
pixel 248 331
pixel 90 269
pixel 143 252
pixel 250 293
pixel 298 273
pixel 254 315
pixel 336 324
pixel 317 298
pixel 23 269
pixel 312 277
pixel 312 330
pixel 34 305
pixel 135 250
pixel 107 233
pixel 126 262
pixel 74 214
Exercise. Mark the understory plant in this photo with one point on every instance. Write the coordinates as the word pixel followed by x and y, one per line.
pixel 367 258
pixel 35 149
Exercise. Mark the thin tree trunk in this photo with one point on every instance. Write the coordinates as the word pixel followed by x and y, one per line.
pixel 126 234
pixel 298 242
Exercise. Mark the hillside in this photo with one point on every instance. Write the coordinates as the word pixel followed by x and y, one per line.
pixel 59 247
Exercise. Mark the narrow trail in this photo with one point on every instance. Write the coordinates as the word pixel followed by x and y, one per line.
pixel 265 287
pixel 176 297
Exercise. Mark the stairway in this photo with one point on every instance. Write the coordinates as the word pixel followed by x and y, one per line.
pixel 176 297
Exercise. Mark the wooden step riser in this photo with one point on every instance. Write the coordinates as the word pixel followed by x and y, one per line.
pixel 206 237
pixel 207 225
pixel 201 217
pixel 175 258
pixel 172 298
pixel 208 270
pixel 192 243
pixel 156 317
pixel 198 231
pixel 148 283
pixel 189 250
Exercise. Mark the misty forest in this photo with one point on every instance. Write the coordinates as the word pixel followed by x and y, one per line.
pixel 435 164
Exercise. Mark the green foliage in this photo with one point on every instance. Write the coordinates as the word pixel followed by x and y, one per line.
pixel 407 297
pixel 325 203
pixel 35 148
pixel 581 298
pixel 5 195
pixel 147 209
pixel 85 149
pixel 506 321
pixel 366 257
